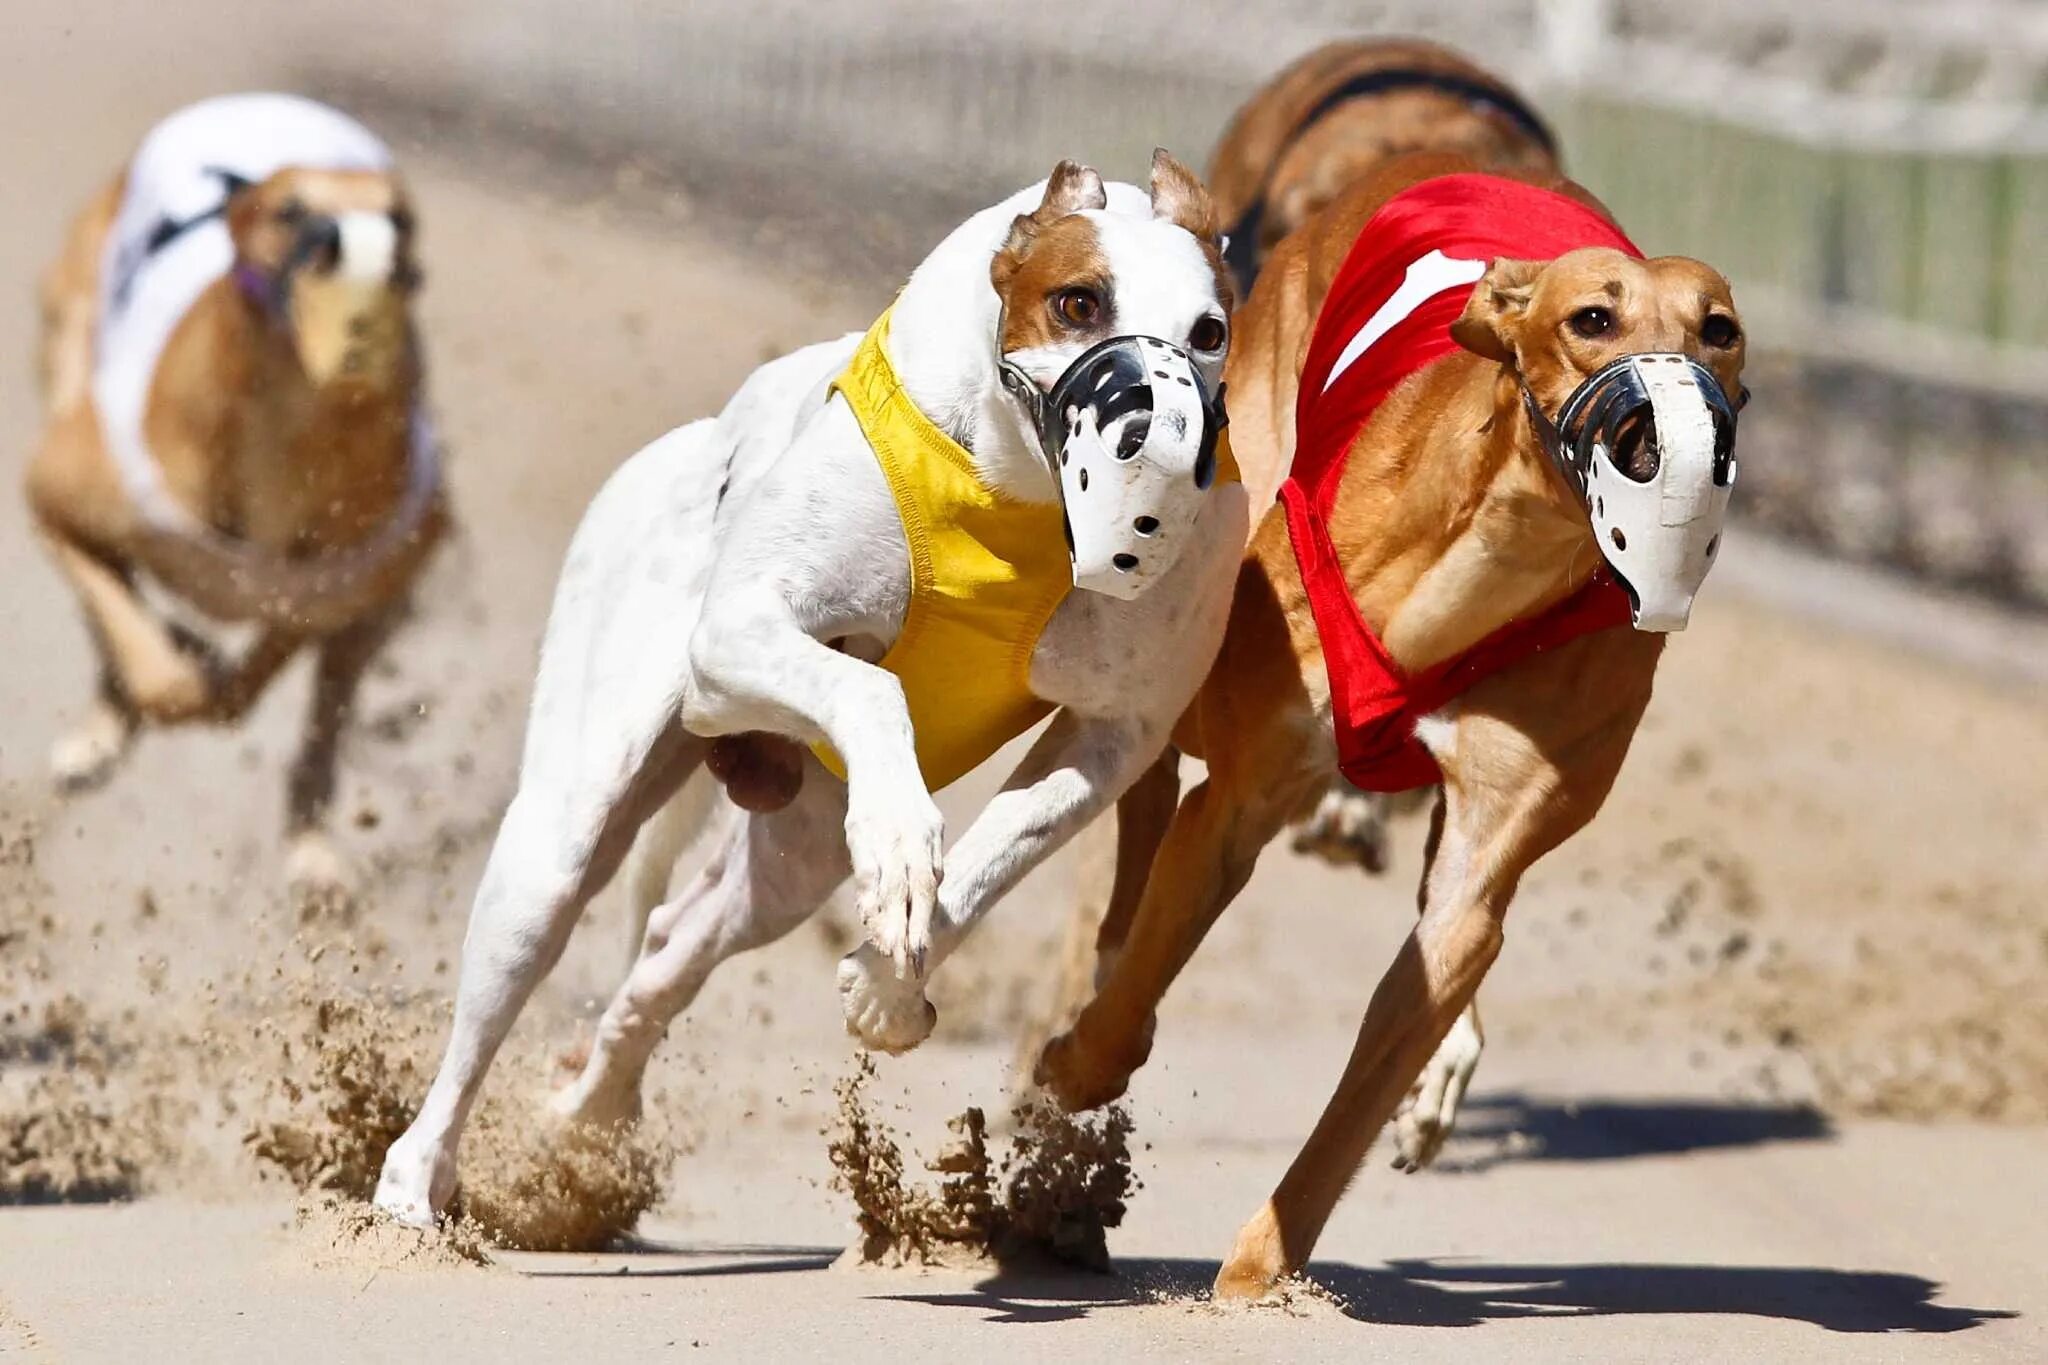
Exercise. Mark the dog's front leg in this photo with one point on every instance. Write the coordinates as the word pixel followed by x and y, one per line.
pixel 317 872
pixel 1074 773
pixel 754 667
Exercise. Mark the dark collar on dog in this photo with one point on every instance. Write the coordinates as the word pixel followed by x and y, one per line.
pixel 1241 253
pixel 261 287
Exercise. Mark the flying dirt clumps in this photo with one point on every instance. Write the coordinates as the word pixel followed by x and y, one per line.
pixel 72 1127
pixel 66 1135
pixel 355 1095
pixel 1063 1181
pixel 361 1065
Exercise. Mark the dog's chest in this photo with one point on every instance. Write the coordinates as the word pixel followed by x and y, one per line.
pixel 1101 656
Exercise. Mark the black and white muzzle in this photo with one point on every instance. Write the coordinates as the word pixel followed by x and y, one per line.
pixel 1648 444
pixel 1130 431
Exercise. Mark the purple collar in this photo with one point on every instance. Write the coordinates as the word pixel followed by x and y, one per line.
pixel 259 288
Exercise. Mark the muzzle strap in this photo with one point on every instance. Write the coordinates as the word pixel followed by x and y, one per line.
pixel 1593 416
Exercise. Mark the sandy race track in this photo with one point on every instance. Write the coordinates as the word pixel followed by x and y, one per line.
pixel 1769 1045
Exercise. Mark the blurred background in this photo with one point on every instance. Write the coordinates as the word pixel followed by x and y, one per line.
pixel 1784 1005
pixel 1872 174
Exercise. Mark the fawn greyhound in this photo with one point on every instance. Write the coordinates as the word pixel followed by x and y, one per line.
pixel 235 409
pixel 1510 437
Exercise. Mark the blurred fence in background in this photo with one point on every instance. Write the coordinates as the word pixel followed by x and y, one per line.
pixel 1872 174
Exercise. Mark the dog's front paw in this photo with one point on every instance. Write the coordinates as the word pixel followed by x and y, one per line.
pixel 319 878
pixel 898 852
pixel 86 756
pixel 1080 1077
pixel 1428 1114
pixel 1258 1263
pixel 417 1181
pixel 883 1010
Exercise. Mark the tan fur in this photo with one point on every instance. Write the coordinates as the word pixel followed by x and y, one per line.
pixel 1450 522
pixel 1267 150
pixel 1032 273
pixel 1299 170
pixel 250 446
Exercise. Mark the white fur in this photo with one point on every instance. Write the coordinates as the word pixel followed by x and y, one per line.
pixel 1438 733
pixel 698 600
pixel 369 247
pixel 1430 1110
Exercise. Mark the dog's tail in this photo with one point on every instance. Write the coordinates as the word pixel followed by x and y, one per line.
pixel 661 842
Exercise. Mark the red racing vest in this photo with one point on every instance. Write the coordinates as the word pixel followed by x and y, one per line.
pixel 1388 316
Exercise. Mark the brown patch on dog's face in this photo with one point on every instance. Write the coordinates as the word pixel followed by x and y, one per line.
pixel 1050 272
pixel 1058 279
pixel 1058 289
pixel 336 249
pixel 1557 322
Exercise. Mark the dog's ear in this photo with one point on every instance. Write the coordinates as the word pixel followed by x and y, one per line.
pixel 1178 195
pixel 1493 316
pixel 1071 188
pixel 1009 258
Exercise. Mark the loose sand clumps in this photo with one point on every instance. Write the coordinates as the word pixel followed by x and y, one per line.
pixel 1063 1184
pixel 345 1234
pixel 66 1134
pixel 1934 1013
pixel 348 1083
pixel 71 1128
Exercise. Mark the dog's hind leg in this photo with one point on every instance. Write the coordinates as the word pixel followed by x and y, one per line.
pixel 603 752
pixel 652 863
pixel 1348 827
pixel 554 851
pixel 771 872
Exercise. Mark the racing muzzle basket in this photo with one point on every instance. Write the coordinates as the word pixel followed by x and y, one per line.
pixel 1647 442
pixel 1129 431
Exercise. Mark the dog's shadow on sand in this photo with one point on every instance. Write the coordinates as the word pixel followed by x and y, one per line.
pixel 1509 1126
pixel 1451 1293
pixel 1407 1293
pixel 1503 1127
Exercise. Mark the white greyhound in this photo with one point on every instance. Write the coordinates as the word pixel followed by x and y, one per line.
pixel 743 576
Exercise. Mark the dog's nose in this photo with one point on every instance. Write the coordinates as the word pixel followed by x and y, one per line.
pixel 1131 439
pixel 1636 453
pixel 319 244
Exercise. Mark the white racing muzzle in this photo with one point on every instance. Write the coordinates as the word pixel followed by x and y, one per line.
pixel 1130 431
pixel 1648 444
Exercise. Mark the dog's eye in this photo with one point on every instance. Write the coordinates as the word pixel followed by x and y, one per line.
pixel 1077 307
pixel 1719 331
pixel 1593 322
pixel 1208 334
pixel 291 213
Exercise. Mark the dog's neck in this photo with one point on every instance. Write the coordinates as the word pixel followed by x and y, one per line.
pixel 942 342
pixel 1450 517
pixel 303 466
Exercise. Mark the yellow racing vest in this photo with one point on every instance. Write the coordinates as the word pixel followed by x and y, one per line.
pixel 986 573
